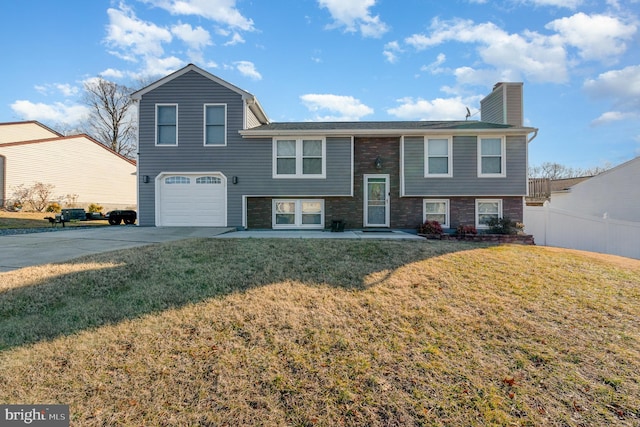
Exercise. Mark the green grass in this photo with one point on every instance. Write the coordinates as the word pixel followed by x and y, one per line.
pixel 11 220
pixel 315 332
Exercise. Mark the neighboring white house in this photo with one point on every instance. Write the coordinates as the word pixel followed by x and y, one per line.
pixel 601 214
pixel 76 165
pixel 615 192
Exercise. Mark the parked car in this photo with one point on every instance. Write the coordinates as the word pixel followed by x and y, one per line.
pixel 118 216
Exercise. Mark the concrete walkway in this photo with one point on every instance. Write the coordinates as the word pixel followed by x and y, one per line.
pixel 25 250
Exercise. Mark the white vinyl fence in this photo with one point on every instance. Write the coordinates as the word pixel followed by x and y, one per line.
pixel 564 229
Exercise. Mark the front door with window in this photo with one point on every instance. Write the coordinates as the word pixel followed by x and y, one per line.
pixel 376 200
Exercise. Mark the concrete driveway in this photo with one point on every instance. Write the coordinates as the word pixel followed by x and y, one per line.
pixel 25 250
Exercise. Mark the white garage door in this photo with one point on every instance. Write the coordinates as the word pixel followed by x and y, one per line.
pixel 192 200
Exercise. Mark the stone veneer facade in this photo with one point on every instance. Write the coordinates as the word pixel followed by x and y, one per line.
pixel 405 212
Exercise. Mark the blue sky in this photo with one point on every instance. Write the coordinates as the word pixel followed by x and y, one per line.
pixel 347 60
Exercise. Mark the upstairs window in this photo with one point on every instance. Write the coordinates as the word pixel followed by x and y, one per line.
pixel 438 161
pixel 167 124
pixel 491 157
pixel 299 158
pixel 215 124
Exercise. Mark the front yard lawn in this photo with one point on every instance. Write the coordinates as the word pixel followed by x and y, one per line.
pixel 11 220
pixel 315 332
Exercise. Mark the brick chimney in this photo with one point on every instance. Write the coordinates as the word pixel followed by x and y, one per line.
pixel 504 105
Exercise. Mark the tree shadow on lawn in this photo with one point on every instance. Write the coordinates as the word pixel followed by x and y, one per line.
pixel 153 278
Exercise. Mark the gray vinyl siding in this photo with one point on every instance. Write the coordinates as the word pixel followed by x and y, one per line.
pixel 514 108
pixel 257 177
pixel 465 181
pixel 250 160
pixel 504 105
pixel 492 107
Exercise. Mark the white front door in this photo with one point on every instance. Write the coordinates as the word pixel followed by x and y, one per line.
pixel 376 200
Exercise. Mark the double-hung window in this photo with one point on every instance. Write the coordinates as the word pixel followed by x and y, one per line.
pixel 215 125
pixel 167 124
pixel 486 210
pixel 299 158
pixel 292 213
pixel 436 210
pixel 438 162
pixel 491 157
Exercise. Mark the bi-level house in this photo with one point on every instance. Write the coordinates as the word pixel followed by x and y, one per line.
pixel 209 156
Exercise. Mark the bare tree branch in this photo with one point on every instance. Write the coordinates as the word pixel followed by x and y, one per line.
pixel 112 119
pixel 553 171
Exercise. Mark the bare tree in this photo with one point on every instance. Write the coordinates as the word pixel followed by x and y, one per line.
pixel 112 119
pixel 21 195
pixel 41 195
pixel 552 170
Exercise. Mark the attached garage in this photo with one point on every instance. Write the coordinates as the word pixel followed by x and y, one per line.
pixel 191 199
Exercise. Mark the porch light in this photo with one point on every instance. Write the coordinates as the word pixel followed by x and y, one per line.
pixel 145 178
pixel 378 163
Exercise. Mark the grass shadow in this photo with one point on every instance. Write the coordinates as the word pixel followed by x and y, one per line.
pixel 150 279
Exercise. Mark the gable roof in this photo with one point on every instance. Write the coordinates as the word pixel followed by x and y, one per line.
pixel 381 128
pixel 21 131
pixel 251 100
pixel 64 138
pixel 633 165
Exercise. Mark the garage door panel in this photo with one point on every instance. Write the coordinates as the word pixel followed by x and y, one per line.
pixel 192 204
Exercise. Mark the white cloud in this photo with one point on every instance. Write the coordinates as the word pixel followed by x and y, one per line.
pixel 248 69
pixel 569 4
pixel 434 67
pixel 597 37
pixel 196 38
pixel 341 108
pixel 111 73
pixel 391 50
pixel 539 58
pixel 160 66
pixel 480 77
pixel 236 38
pixel 621 86
pixel 354 15
pixel 614 116
pixel 65 89
pixel 422 109
pixel 132 37
pixel 56 112
pixel 221 11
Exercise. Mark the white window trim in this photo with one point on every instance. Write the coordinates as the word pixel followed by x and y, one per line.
pixel 503 157
pixel 156 127
pixel 424 210
pixel 298 214
pixel 204 125
pixel 484 226
pixel 299 174
pixel 449 157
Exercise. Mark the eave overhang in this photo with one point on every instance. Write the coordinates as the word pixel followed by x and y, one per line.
pixel 270 133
